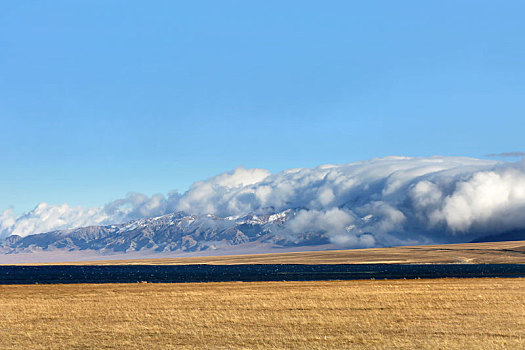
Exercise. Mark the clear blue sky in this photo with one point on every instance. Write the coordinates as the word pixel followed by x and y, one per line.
pixel 99 98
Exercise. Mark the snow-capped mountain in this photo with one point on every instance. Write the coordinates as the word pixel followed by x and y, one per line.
pixel 168 233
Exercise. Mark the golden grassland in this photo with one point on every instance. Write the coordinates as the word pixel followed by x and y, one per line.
pixel 424 314
pixel 472 253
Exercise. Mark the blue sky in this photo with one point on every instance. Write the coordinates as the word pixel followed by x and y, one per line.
pixel 99 98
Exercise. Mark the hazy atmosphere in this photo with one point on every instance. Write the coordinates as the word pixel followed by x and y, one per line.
pixel 262 174
pixel 393 200
pixel 377 124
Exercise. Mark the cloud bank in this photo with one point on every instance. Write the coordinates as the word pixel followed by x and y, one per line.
pixel 386 201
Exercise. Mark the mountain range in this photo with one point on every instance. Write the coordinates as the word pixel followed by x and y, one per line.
pixel 168 233
pixel 182 233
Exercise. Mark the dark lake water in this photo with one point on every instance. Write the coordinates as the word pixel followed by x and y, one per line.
pixel 223 273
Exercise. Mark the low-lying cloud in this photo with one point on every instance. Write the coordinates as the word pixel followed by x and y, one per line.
pixel 392 200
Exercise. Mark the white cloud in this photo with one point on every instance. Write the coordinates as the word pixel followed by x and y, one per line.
pixel 489 200
pixel 46 217
pixel 385 201
pixel 223 194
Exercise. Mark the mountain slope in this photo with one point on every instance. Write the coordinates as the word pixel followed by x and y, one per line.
pixel 515 235
pixel 173 232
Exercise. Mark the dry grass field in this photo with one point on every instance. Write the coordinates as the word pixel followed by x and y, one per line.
pixel 471 253
pixel 422 314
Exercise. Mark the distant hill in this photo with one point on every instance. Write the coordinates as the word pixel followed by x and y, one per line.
pixel 185 234
pixel 174 232
pixel 462 253
pixel 516 235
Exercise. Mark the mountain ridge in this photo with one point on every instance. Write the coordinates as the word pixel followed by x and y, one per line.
pixel 183 233
pixel 168 233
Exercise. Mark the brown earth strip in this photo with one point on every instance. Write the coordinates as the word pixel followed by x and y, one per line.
pixel 471 253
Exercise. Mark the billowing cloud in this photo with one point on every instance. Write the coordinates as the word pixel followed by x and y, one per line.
pixel 45 217
pixel 386 201
pixel 487 201
pixel 225 194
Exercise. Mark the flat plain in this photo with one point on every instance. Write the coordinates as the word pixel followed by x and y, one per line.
pixel 467 253
pixel 425 314
pixel 484 313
